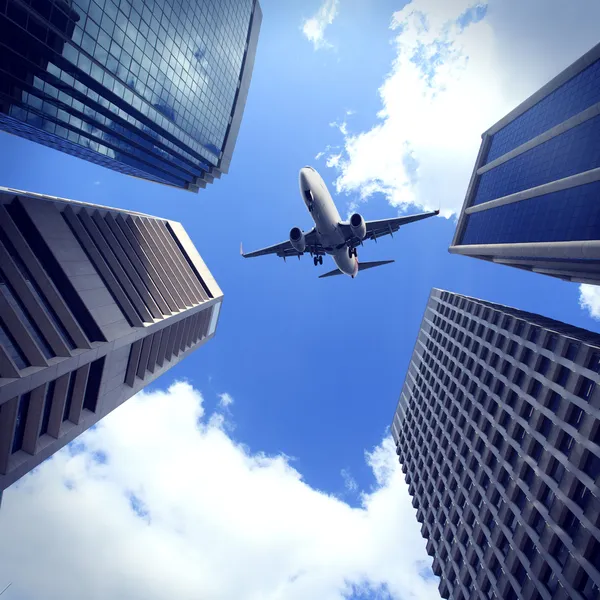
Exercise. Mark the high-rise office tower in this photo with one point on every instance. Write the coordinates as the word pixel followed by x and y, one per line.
pixel 532 200
pixel 498 432
pixel 95 303
pixel 151 88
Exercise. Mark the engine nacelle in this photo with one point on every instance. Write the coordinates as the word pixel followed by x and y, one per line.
pixel 297 239
pixel 358 226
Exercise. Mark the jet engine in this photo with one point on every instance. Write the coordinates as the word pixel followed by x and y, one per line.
pixel 297 239
pixel 358 226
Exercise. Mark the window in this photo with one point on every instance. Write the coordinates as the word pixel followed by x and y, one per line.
pixel 519 327
pixel 575 416
pixel 544 426
pixel 500 340
pixel 511 522
pixel 534 333
pixel 511 398
pixel 526 355
pixel 571 351
pixel 565 445
pixel 585 388
pixel 527 409
pixel 549 579
pixel 594 362
pixel 527 475
pixel 560 553
pixel 546 496
pixel 518 433
pixel 553 401
pixel 520 498
pixel 570 524
pixel 557 470
pixel 535 388
pixel 562 377
pixel 537 522
pixel 518 378
pixel 581 495
pixel 551 340
pixel 591 466
pixel 520 574
pixel 22 412
pixel 543 365
pixel 511 456
pixel 512 348
pixel 528 548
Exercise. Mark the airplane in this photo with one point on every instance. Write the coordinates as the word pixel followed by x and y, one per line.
pixel 331 235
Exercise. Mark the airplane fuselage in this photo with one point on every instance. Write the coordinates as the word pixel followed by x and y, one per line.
pixel 327 220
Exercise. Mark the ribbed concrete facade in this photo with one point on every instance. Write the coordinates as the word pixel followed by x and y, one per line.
pixel 498 432
pixel 95 303
pixel 532 199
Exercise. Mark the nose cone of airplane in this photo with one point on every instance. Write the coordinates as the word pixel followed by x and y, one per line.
pixel 304 178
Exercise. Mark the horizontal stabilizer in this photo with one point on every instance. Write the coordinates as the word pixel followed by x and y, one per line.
pixel 331 273
pixel 361 267
pixel 376 263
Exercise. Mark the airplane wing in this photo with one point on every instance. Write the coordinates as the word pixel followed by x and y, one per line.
pixel 285 249
pixel 376 229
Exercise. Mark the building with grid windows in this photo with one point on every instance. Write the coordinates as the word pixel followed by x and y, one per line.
pixel 95 303
pixel 152 88
pixel 532 199
pixel 498 433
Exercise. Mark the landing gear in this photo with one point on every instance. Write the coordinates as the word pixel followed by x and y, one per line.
pixel 320 260
pixel 317 260
pixel 352 252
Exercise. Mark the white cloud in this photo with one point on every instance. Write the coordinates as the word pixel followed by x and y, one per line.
pixel 589 299
pixel 225 400
pixel 319 155
pixel 96 183
pixel 349 481
pixel 314 28
pixel 460 66
pixel 159 502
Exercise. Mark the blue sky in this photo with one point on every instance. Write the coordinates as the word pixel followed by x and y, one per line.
pixel 315 367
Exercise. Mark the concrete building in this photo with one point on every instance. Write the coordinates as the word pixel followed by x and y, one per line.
pixel 498 433
pixel 532 199
pixel 155 89
pixel 95 303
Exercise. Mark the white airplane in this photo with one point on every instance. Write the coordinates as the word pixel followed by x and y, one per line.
pixel 331 235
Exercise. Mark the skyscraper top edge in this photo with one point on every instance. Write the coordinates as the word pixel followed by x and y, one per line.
pixel 569 72
pixel 9 190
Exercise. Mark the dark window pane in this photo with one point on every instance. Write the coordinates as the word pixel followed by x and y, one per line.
pixel 22 412
pixel 47 407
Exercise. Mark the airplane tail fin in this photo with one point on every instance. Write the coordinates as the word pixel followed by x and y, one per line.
pixel 361 267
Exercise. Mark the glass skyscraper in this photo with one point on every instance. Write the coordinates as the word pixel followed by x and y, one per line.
pixel 498 432
pixel 533 197
pixel 152 88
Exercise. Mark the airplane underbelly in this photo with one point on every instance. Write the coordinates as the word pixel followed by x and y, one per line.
pixel 346 264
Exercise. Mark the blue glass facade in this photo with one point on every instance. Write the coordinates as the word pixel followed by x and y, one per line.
pixel 567 215
pixel 575 151
pixel 145 87
pixel 571 98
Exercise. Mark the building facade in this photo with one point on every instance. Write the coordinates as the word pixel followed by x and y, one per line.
pixel 498 433
pixel 532 199
pixel 95 303
pixel 152 88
